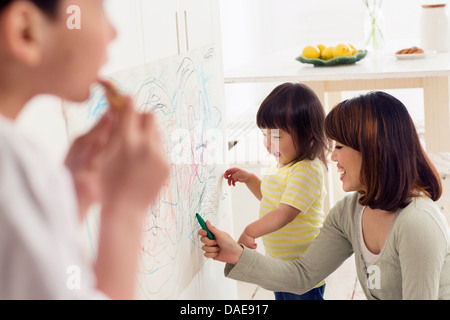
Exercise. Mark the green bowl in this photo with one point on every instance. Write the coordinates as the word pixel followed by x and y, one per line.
pixel 361 54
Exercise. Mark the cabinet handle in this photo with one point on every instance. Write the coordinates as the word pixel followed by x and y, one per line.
pixel 178 32
pixel 186 30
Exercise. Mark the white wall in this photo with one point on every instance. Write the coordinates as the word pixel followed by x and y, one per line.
pixel 251 28
pixel 254 28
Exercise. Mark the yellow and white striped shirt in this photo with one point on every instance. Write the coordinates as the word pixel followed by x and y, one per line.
pixel 300 185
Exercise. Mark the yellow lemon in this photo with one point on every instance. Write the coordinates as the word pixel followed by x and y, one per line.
pixel 354 51
pixel 311 52
pixel 327 53
pixel 321 47
pixel 342 50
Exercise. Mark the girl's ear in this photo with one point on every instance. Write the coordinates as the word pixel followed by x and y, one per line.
pixel 21 32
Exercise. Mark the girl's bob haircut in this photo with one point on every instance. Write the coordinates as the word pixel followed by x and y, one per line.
pixel 296 109
pixel 395 168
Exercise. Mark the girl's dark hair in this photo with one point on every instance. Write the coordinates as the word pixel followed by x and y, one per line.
pixel 50 7
pixel 394 167
pixel 296 109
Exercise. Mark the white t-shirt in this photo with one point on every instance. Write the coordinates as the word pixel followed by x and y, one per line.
pixel 368 257
pixel 41 255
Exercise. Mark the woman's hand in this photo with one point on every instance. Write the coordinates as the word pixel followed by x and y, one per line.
pixel 234 175
pixel 222 248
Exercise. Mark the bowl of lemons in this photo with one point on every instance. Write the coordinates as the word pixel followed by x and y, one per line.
pixel 322 55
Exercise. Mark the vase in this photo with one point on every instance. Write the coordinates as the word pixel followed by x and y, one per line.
pixel 374 27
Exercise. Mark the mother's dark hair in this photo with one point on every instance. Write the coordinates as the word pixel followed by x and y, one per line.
pixel 49 7
pixel 395 167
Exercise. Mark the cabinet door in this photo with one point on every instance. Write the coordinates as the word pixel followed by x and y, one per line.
pixel 150 30
pixel 161 25
pixel 200 22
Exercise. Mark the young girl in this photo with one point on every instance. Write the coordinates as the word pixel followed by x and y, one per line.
pixel 117 164
pixel 292 192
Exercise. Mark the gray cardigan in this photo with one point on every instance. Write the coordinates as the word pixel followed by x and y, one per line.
pixel 413 264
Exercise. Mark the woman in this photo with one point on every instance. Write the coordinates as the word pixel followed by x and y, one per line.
pixel 398 235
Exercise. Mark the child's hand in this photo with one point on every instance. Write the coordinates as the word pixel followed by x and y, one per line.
pixel 247 241
pixel 234 175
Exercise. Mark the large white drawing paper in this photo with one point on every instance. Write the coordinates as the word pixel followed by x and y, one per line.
pixel 185 93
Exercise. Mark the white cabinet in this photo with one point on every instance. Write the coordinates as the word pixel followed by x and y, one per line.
pixel 201 18
pixel 161 28
pixel 150 30
pixel 171 27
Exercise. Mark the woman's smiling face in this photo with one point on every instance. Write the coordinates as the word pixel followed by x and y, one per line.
pixel 349 163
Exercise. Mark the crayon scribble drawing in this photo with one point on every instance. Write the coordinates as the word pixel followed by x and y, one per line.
pixel 185 94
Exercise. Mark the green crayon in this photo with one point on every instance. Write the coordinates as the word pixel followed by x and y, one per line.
pixel 203 224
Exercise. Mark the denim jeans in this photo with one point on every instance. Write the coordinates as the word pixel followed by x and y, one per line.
pixel 313 294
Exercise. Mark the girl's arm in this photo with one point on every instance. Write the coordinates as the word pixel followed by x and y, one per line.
pixel 254 185
pixel 272 221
